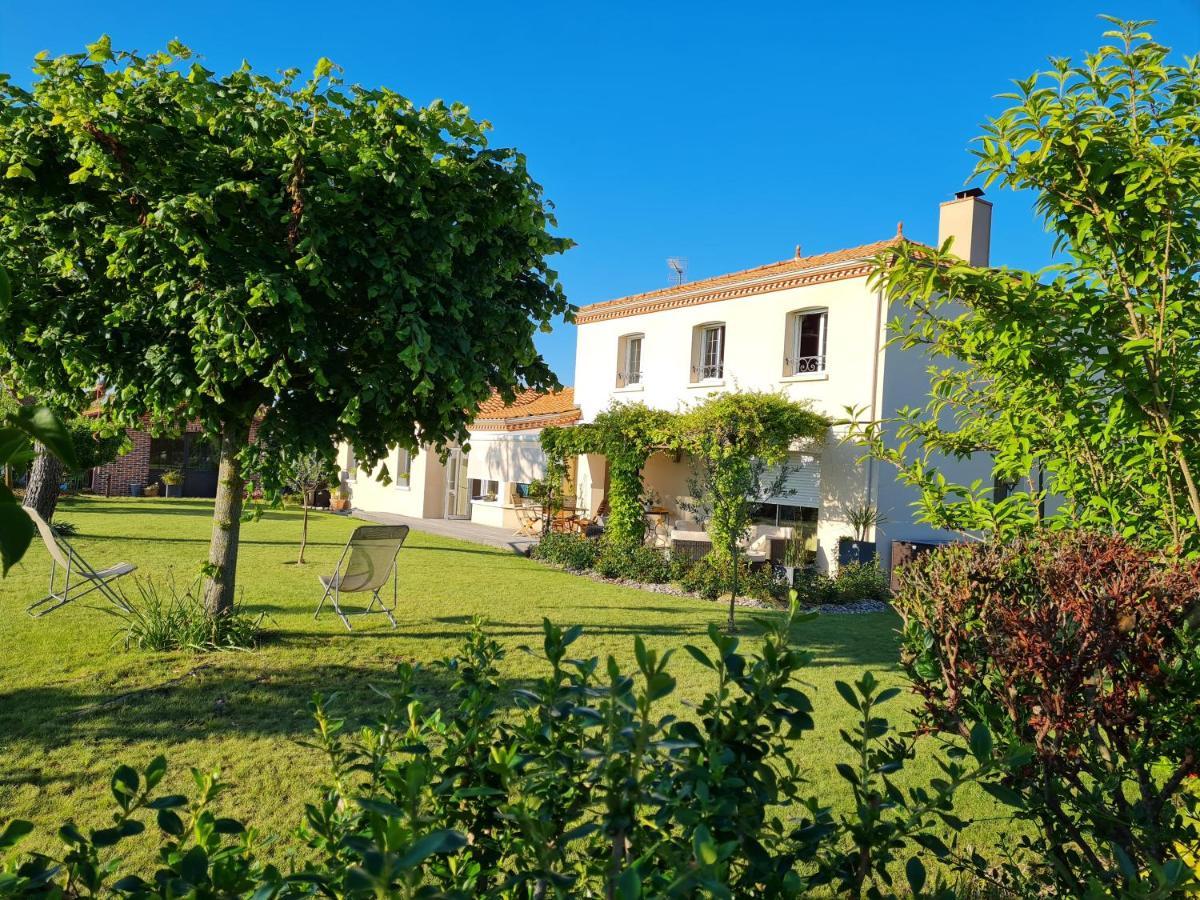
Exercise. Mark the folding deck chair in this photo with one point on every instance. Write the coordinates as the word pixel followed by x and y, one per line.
pixel 366 563
pixel 79 578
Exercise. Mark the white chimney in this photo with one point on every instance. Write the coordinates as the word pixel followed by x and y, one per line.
pixel 968 219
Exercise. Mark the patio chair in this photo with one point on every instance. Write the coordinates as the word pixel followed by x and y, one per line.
pixel 365 565
pixel 79 578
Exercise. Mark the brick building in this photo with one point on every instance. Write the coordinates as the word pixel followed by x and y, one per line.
pixel 149 457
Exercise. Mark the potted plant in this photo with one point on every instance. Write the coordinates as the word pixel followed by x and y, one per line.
pixel 795 556
pixel 340 501
pixel 856 548
pixel 173 482
pixel 151 490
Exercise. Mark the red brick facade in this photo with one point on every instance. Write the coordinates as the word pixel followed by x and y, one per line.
pixel 114 479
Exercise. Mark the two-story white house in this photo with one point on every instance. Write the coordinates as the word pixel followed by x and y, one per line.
pixel 810 326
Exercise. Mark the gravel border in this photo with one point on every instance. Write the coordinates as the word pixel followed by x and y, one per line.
pixel 857 608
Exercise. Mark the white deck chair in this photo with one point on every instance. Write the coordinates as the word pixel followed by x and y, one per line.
pixel 366 563
pixel 79 578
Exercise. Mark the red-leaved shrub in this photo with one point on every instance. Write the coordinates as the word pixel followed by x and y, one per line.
pixel 1077 647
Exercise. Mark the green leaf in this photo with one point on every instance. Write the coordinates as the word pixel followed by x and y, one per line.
pixel 848 694
pixel 13 832
pixel 981 743
pixel 659 685
pixel 443 841
pixel 193 868
pixel 704 847
pixel 125 783
pixel 629 885
pixel 699 656
pixel 13 441
pixel 1005 795
pixel 170 822
pixel 17 170
pixel 914 871
pixel 43 425
pixel 16 531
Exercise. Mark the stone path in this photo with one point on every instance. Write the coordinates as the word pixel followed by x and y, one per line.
pixel 461 529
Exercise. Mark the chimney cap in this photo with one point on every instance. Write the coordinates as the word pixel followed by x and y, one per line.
pixel 969 192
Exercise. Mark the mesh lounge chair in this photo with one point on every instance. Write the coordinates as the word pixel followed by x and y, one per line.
pixel 79 578
pixel 366 563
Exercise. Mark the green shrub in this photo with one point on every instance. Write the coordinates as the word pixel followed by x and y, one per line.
pixel 815 588
pixel 711 579
pixel 704 577
pixel 1075 650
pixel 571 551
pixel 586 790
pixel 64 529
pixel 861 581
pixel 171 620
pixel 644 564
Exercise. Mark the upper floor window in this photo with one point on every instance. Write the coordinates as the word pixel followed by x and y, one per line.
pixel 806 342
pixel 403 467
pixel 629 360
pixel 708 359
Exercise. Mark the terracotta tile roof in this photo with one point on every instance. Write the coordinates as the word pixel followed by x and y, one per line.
pixel 852 262
pixel 530 409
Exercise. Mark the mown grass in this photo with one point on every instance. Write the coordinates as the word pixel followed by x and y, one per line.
pixel 74 704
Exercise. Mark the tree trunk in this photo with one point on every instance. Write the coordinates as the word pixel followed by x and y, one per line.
pixel 227 522
pixel 303 529
pixel 733 584
pixel 41 493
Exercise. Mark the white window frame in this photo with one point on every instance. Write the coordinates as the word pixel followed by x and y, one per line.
pixel 403 476
pixel 797 366
pixel 705 371
pixel 627 375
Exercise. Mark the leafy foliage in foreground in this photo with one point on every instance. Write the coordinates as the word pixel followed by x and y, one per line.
pixel 587 790
pixel 1078 647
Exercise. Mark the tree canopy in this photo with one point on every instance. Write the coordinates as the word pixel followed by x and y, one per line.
pixel 335 260
pixel 1081 378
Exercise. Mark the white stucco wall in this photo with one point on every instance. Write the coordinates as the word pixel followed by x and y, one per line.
pixel 756 338
pixel 861 373
pixel 422 496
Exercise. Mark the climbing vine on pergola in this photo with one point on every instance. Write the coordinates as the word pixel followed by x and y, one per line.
pixel 626 435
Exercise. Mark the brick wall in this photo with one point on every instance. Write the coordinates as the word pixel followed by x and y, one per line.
pixel 113 479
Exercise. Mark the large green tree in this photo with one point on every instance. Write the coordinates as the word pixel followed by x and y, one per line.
pixel 1081 379
pixel 331 260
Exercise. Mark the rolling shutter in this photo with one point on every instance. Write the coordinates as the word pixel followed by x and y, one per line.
pixel 802 481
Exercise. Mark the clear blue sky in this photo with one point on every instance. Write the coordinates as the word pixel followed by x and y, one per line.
pixel 727 133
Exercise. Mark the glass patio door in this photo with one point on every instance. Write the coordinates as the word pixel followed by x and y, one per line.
pixel 458 495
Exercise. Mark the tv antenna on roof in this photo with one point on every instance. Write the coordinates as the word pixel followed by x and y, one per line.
pixel 678 266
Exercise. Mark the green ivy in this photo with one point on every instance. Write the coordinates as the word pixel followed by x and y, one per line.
pixel 626 435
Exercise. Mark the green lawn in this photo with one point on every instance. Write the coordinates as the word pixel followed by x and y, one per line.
pixel 73 704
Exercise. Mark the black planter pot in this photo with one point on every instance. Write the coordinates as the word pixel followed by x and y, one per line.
pixel 174 490
pixel 855 552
